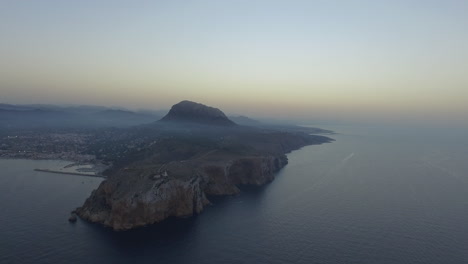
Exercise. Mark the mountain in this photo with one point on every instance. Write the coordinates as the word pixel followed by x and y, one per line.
pixel 21 118
pixel 15 107
pixel 123 114
pixel 191 112
pixel 52 116
pixel 245 121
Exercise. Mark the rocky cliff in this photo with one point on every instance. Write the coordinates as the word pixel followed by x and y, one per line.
pixel 128 201
pixel 154 201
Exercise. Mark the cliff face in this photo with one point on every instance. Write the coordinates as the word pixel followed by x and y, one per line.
pixel 115 205
pixel 244 171
pixel 149 200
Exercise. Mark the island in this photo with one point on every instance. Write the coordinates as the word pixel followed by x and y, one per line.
pixel 193 153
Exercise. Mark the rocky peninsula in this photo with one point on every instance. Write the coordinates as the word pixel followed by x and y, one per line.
pixel 195 152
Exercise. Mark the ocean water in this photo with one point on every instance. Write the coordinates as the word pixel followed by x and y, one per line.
pixel 376 195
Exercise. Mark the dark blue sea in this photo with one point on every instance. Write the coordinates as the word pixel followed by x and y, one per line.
pixel 375 195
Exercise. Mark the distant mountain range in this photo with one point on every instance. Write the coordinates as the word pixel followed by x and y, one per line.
pixel 54 116
pixel 245 121
pixel 38 116
pixel 51 116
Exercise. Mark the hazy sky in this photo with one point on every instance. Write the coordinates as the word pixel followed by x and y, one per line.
pixel 353 60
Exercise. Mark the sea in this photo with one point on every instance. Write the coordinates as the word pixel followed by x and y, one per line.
pixel 375 195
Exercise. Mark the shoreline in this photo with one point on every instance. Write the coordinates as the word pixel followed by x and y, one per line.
pixel 173 196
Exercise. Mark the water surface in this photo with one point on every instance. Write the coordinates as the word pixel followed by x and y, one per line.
pixel 376 195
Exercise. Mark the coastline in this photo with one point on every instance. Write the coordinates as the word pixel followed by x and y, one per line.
pixel 129 199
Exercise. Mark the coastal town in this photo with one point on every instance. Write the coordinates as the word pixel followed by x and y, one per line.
pixel 45 145
pixel 89 151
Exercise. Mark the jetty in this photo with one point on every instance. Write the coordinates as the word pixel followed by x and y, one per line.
pixel 70 173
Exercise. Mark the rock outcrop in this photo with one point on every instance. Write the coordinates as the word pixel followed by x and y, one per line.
pixel 72 218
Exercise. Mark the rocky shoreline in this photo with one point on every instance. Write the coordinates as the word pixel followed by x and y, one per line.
pixel 153 200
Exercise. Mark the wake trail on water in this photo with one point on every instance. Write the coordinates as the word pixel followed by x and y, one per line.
pixel 445 171
pixel 342 163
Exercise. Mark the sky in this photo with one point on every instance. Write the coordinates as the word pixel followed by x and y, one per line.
pixel 317 60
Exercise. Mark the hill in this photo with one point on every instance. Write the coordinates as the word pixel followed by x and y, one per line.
pixel 191 112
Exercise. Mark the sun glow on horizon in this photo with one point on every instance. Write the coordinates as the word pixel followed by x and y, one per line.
pixel 297 59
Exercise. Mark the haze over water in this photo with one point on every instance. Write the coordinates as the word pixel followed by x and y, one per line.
pixel 376 195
